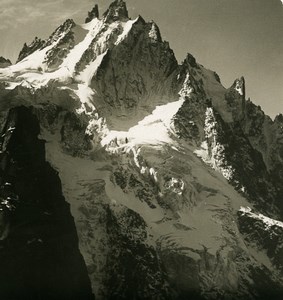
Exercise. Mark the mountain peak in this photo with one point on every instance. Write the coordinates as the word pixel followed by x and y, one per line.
pixel 63 28
pixel 278 118
pixel 36 44
pixel 116 11
pixel 94 13
pixel 154 32
pixel 137 142
pixel 239 86
pixel 4 62
pixel 190 60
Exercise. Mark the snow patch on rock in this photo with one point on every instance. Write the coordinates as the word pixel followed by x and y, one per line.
pixel 126 29
pixel 211 151
pixel 154 129
pixel 239 87
pixel 268 222
pixel 176 185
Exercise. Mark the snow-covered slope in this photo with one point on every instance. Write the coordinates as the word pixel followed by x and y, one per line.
pixel 157 161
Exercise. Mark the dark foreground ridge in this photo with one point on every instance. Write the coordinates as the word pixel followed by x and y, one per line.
pixel 39 251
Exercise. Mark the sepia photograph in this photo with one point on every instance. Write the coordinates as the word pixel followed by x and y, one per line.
pixel 141 149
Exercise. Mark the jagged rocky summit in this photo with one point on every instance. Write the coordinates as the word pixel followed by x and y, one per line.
pixel 4 62
pixel 126 175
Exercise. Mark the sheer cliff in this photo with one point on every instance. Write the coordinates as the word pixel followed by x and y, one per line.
pixel 39 253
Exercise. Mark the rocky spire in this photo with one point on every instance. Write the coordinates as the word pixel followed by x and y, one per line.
pixel 36 44
pixel 94 13
pixel 116 11
pixel 279 119
pixel 190 60
pixel 4 62
pixel 154 33
pixel 239 85
pixel 235 97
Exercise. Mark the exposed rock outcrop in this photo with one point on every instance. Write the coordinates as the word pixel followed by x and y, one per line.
pixel 36 44
pixel 4 62
pixel 94 13
pixel 116 11
pixel 39 250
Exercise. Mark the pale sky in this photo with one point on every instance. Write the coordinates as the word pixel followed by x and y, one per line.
pixel 231 37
